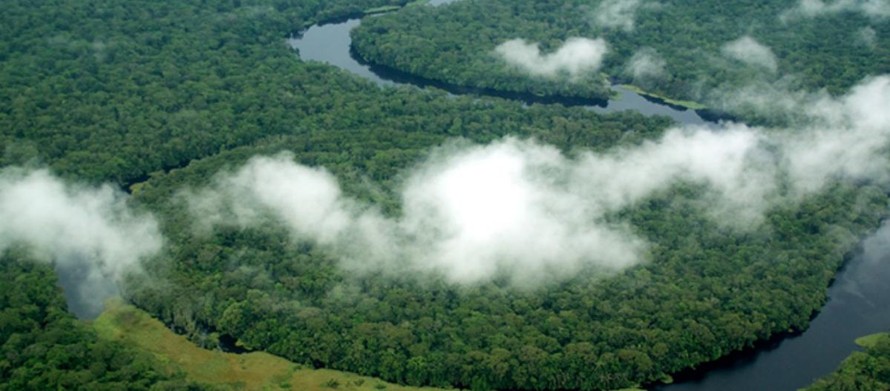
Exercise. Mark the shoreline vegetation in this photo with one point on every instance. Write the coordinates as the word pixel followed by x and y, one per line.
pixel 382 10
pixel 413 40
pixel 679 103
pixel 137 329
pixel 867 370
pixel 159 96
pixel 870 341
pixel 655 97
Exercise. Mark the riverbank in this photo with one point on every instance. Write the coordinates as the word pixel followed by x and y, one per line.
pixel 870 341
pixel 676 103
pixel 861 371
pixel 329 42
pixel 766 365
pixel 856 306
pixel 250 371
pixel 337 49
pixel 382 10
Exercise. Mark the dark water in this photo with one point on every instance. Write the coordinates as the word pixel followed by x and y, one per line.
pixel 857 303
pixel 857 306
pixel 330 43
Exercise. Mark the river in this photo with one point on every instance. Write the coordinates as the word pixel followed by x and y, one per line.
pixel 330 43
pixel 857 303
pixel 857 306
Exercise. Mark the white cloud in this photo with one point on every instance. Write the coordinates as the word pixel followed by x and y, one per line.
pixel 619 14
pixel 522 210
pixel 646 64
pixel 575 57
pixel 470 216
pixel 868 37
pixel 846 138
pixel 813 8
pixel 510 206
pixel 751 52
pixel 86 231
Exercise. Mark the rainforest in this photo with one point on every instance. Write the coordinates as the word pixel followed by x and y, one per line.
pixel 467 194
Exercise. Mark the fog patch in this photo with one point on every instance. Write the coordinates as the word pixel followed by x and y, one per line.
pixel 815 8
pixel 848 138
pixel 574 58
pixel 522 211
pixel 89 233
pixel 513 207
pixel 307 199
pixel 751 52
pixel 828 137
pixel 470 215
pixel 618 14
pixel 646 64
pixel 774 99
pixel 868 37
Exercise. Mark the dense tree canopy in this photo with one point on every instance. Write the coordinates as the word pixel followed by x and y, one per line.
pixel 166 94
pixel 683 41
pixel 706 292
pixel 42 346
pixel 868 370
pixel 104 91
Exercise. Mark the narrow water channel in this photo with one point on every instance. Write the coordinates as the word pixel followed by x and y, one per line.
pixel 859 300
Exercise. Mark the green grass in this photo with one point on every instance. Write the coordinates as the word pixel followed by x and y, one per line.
pixel 382 9
pixel 251 371
pixel 676 102
pixel 870 340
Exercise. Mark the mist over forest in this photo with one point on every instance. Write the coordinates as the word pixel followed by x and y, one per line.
pixel 178 156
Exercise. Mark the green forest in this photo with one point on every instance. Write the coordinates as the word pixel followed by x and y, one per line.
pixel 156 98
pixel 45 347
pixel 867 370
pixel 456 44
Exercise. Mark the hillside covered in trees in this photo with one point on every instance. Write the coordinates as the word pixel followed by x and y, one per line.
pixel 167 100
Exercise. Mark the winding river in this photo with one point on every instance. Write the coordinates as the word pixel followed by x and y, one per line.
pixel 330 43
pixel 858 300
pixel 858 305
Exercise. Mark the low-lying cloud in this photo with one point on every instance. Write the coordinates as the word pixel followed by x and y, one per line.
pixel 751 52
pixel 848 138
pixel 89 234
pixel 814 8
pixel 618 14
pixel 522 210
pixel 477 213
pixel 513 206
pixel 575 57
pixel 867 36
pixel 646 64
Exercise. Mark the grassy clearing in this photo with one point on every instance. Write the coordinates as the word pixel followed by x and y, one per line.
pixel 870 340
pixel 251 371
pixel 675 102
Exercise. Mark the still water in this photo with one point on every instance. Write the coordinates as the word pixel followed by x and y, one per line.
pixel 858 305
pixel 330 43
